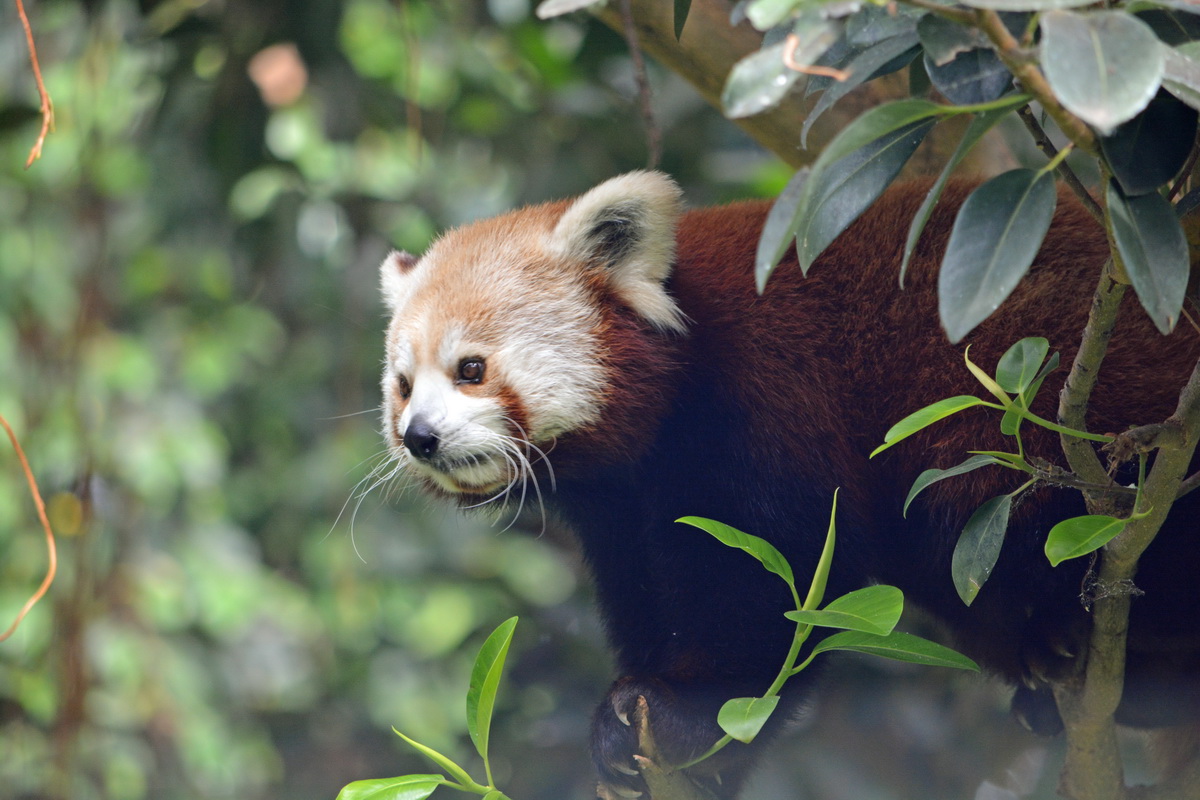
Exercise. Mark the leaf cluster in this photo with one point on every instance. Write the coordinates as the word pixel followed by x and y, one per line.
pixel 866 618
pixel 987 59
pixel 1019 375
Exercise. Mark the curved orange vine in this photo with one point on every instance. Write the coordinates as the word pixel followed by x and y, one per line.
pixel 44 96
pixel 41 509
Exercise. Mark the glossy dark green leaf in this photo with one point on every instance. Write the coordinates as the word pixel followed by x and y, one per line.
pixel 1181 72
pixel 919 420
pixel 979 546
pixel 1151 148
pixel 874 24
pixel 1020 364
pixel 996 236
pixel 1104 66
pixel 1189 6
pixel 874 609
pixel 942 39
pixel 1079 536
pixel 1170 26
pixel 779 231
pixel 980 124
pixel 761 549
pixel 897 646
pixel 682 7
pixel 743 717
pixel 860 68
pixel 836 195
pixel 405 787
pixel 485 681
pixel 1155 251
pixel 932 476
pixel 971 78
pixel 757 82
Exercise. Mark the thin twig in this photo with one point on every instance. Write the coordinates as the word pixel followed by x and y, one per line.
pixel 47 107
pixel 41 510
pixel 653 134
pixel 789 60
pixel 1186 172
pixel 412 109
pixel 1047 147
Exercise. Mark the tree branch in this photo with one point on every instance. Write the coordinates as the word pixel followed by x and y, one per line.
pixel 653 134
pixel 1077 389
pixel 1047 147
pixel 1024 66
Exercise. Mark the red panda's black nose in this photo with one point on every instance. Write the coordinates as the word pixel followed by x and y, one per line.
pixel 421 439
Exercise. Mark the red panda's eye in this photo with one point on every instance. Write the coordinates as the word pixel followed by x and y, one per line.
pixel 403 387
pixel 470 370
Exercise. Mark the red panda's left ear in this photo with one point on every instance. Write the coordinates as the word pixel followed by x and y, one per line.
pixel 627 226
pixel 393 277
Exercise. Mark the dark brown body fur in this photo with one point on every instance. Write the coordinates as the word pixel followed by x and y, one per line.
pixel 771 402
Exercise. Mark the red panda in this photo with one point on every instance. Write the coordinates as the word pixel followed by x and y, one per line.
pixel 611 356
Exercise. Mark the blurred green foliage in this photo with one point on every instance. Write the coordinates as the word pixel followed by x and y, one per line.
pixel 189 346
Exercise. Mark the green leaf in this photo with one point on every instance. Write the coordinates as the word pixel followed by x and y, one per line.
pixel 860 68
pixel 816 589
pixel 932 476
pixel 682 7
pixel 757 82
pixel 897 646
pixel 1151 148
pixel 1036 386
pixel 979 546
pixel 458 773
pixel 919 420
pixel 974 77
pixel 1181 72
pixel 875 23
pixel 875 609
pixel 766 14
pixel 943 40
pixel 1104 66
pixel 779 230
pixel 1079 536
pixel 1018 367
pixel 761 549
pixel 743 717
pixel 873 124
pixel 980 124
pixel 485 681
pixel 405 787
pixel 995 238
pixel 837 195
pixel 1155 251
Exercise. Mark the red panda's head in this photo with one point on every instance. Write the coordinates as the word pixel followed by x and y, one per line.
pixel 497 346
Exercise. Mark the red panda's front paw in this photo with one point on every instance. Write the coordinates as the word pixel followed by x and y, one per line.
pixel 651 720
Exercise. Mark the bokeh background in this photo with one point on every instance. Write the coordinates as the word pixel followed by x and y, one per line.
pixel 189 346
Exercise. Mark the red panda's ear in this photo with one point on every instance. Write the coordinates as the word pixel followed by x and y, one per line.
pixel 627 226
pixel 393 274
